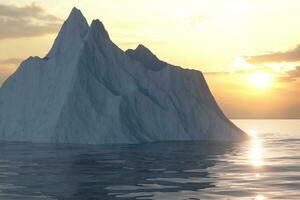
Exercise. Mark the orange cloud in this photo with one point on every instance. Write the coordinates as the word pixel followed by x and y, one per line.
pixel 27 21
pixel 292 55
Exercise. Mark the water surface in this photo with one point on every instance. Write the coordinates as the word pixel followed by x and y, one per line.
pixel 267 167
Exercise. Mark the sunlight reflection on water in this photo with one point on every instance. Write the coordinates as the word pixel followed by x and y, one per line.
pixel 256 150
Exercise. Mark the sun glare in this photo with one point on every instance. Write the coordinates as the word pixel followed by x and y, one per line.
pixel 256 150
pixel 260 80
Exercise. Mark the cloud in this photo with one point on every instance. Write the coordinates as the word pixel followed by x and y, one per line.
pixel 292 55
pixel 217 73
pixel 11 61
pixel 27 21
pixel 288 76
pixel 239 71
pixel 291 75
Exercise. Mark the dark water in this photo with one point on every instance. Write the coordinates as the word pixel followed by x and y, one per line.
pixel 267 167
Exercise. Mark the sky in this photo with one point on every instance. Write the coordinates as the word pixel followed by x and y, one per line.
pixel 249 50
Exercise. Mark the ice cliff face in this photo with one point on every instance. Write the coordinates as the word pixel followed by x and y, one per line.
pixel 87 90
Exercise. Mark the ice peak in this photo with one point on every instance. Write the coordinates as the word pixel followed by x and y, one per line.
pixel 142 48
pixel 72 33
pixel 75 12
pixel 146 57
pixel 98 28
pixel 76 21
pixel 74 9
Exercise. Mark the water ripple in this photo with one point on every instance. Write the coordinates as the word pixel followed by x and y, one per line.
pixel 265 168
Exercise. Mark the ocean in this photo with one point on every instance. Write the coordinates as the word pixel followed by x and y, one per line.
pixel 265 167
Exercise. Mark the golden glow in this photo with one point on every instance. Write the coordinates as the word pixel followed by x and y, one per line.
pixel 256 150
pixel 241 64
pixel 260 80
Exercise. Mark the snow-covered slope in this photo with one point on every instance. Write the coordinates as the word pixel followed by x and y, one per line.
pixel 87 90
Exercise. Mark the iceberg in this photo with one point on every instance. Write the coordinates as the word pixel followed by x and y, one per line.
pixel 87 90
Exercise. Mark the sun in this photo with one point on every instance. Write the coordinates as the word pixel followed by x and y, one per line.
pixel 260 80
